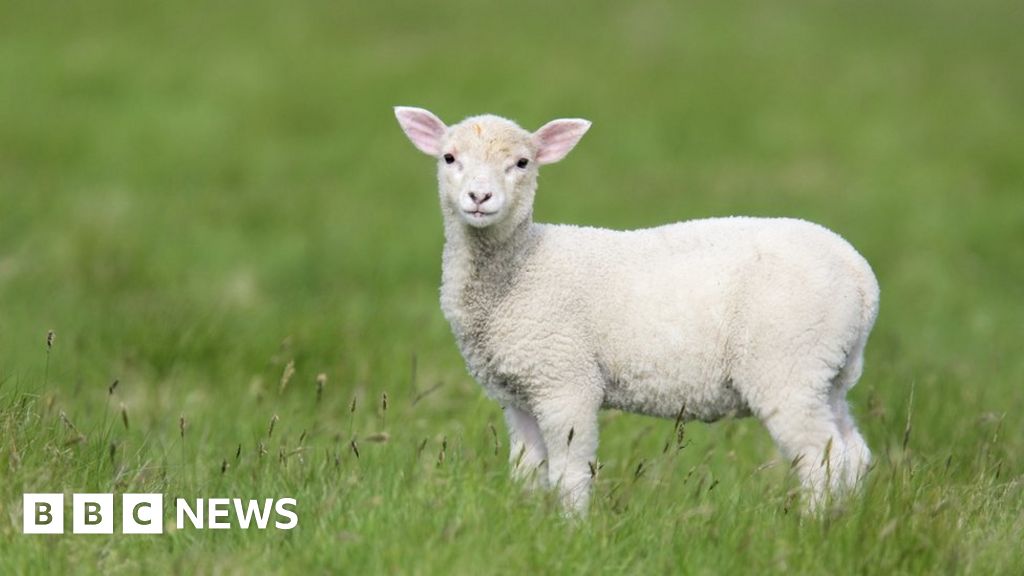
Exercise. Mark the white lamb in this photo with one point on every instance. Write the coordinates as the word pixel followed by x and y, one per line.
pixel 706 318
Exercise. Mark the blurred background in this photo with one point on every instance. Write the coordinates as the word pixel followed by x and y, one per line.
pixel 193 194
pixel 184 185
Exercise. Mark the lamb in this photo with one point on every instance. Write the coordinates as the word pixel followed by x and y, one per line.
pixel 699 320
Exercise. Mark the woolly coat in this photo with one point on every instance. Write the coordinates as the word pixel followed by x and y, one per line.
pixel 706 316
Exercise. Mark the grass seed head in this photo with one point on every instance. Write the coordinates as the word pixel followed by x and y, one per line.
pixel 443 454
pixel 321 380
pixel 494 435
pixel 639 470
pixel 69 425
pixel 76 436
pixel 286 376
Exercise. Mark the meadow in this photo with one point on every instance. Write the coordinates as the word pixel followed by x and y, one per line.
pixel 212 208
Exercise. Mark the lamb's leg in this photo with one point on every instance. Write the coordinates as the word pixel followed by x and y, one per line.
pixel 569 428
pixel 858 456
pixel 527 453
pixel 805 429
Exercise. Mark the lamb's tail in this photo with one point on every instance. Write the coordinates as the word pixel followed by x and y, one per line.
pixel 867 286
pixel 870 294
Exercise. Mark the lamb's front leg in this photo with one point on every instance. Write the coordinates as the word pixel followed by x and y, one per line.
pixel 527 455
pixel 568 424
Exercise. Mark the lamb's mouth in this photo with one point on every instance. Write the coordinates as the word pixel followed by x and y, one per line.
pixel 478 213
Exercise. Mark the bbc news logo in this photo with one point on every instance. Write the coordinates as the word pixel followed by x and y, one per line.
pixel 144 513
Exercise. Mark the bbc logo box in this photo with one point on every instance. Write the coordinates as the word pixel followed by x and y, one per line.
pixel 93 514
pixel 43 514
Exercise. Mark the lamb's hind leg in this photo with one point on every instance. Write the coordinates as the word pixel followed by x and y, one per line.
pixel 794 406
pixel 858 456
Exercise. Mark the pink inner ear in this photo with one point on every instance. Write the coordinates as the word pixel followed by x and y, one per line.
pixel 556 138
pixel 423 128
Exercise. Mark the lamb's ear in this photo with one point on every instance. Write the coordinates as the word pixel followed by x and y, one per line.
pixel 422 127
pixel 556 138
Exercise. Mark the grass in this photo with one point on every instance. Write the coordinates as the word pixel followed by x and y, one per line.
pixel 194 197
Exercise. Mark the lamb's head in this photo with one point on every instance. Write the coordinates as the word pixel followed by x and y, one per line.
pixel 487 165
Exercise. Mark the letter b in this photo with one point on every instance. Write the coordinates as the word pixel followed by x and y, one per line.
pixel 92 514
pixel 43 514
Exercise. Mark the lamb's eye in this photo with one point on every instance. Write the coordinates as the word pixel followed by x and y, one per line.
pixel 522 162
pixel 448 158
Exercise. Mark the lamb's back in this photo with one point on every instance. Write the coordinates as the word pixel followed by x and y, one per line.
pixel 687 288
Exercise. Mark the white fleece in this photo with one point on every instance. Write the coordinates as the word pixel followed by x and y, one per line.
pixel 711 318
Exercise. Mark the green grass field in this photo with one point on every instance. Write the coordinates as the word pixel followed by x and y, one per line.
pixel 194 197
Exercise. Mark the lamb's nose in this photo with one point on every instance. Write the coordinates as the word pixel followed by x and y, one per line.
pixel 479 198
